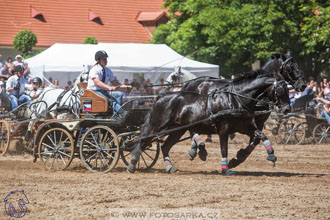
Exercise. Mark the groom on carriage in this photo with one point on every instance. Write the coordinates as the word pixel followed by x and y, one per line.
pixel 15 88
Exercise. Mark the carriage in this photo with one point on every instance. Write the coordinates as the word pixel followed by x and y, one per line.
pixel 96 137
pixel 300 126
pixel 17 124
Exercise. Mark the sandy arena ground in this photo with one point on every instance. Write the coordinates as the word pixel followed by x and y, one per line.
pixel 297 188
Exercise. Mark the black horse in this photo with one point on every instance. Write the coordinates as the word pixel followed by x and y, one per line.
pixel 283 68
pixel 230 109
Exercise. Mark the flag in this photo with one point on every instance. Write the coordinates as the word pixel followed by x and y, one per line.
pixel 87 107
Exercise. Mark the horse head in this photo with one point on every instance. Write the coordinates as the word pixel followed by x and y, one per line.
pixel 175 76
pixel 286 68
pixel 289 69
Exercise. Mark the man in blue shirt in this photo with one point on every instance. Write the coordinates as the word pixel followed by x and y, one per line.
pixel 99 77
pixel 15 87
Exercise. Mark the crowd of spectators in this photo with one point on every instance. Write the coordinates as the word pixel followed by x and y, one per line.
pixel 321 93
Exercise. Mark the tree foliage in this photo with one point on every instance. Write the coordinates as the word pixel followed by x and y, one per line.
pixel 90 40
pixel 24 41
pixel 234 34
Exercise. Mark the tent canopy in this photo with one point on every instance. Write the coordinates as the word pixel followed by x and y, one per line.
pixel 66 61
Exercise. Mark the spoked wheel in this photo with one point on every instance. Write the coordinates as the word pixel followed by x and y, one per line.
pixel 56 148
pixel 292 131
pixel 271 131
pixel 99 149
pixel 4 137
pixel 148 158
pixel 321 133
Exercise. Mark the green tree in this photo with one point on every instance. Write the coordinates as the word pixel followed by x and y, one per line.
pixel 24 41
pixel 315 36
pixel 234 34
pixel 90 40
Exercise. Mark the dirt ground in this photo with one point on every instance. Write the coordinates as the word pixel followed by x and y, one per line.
pixel 298 187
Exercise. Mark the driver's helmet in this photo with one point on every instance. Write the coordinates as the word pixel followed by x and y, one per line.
pixel 100 54
pixel 36 80
pixel 19 68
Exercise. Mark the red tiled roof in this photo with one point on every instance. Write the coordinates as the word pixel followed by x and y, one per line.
pixel 67 21
pixel 150 16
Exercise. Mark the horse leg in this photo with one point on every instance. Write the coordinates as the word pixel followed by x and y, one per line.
pixel 136 152
pixel 197 143
pixel 243 154
pixel 135 158
pixel 172 139
pixel 268 146
pixel 224 153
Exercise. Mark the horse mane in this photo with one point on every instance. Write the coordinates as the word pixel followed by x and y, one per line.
pixel 278 56
pixel 252 75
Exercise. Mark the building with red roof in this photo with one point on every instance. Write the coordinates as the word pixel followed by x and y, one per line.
pixel 71 21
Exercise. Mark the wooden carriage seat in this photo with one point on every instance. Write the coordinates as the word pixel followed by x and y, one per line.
pixel 91 102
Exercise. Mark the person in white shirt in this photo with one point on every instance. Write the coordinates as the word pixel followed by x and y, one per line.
pixel 15 88
pixel 99 77
pixel 34 89
pixel 18 61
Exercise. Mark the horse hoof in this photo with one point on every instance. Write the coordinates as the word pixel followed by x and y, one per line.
pixel 131 168
pixel 192 154
pixel 233 163
pixel 202 154
pixel 228 172
pixel 272 157
pixel 171 170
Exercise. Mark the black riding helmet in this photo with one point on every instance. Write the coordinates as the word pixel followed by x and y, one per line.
pixel 36 80
pixel 19 68
pixel 100 54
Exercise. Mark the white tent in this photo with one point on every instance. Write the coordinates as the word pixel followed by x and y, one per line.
pixel 66 61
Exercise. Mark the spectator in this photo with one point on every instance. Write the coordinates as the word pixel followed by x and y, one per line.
pixel 1 62
pixel 2 86
pixel 161 89
pixel 4 72
pixel 18 61
pixel 50 82
pixel 10 64
pixel 126 82
pixel 325 82
pixel 56 84
pixel 326 92
pixel 134 93
pixel 135 84
pixel 69 85
pixel 148 86
pixel 115 81
pixel 26 73
pixel 326 110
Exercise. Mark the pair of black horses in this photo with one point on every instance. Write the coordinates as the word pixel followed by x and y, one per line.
pixel 223 107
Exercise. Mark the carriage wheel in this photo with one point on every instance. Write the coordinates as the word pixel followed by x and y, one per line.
pixel 292 131
pixel 99 149
pixel 4 137
pixel 321 133
pixel 56 149
pixel 148 158
pixel 271 131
